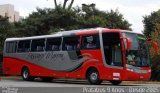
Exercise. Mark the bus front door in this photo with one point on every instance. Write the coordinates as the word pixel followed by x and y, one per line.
pixel 112 55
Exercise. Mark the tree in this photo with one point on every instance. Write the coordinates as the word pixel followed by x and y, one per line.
pixel 155 57
pixel 152 30
pixel 71 4
pixel 55 2
pixel 64 4
pixel 115 20
pixel 46 21
pixel 6 31
pixel 150 22
pixel 110 19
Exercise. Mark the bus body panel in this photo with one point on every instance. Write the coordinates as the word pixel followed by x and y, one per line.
pixel 13 66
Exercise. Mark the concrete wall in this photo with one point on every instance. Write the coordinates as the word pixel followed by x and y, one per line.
pixel 8 10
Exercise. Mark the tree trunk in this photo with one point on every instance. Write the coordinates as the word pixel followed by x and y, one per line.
pixel 64 4
pixel 55 2
pixel 71 4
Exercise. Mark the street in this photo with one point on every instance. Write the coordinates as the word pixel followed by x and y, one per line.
pixel 17 85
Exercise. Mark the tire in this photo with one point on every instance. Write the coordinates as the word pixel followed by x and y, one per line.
pixel 46 79
pixel 116 82
pixel 93 77
pixel 26 74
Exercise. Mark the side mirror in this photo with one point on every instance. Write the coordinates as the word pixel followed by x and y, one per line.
pixel 128 43
pixel 156 48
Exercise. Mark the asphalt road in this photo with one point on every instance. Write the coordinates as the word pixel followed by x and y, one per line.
pixel 17 85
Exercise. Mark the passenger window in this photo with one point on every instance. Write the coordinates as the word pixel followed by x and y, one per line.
pixel 24 46
pixel 11 47
pixel 38 45
pixel 90 42
pixel 71 43
pixel 53 44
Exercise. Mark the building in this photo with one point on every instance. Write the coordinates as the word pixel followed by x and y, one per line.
pixel 8 11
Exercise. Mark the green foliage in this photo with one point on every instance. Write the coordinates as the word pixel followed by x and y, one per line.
pixel 64 4
pixel 46 21
pixel 115 20
pixel 155 57
pixel 150 22
pixel 4 25
pixel 5 31
pixel 152 30
pixel 155 68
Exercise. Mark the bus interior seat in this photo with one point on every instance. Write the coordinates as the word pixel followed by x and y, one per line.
pixel 90 45
pixel 40 48
pixel 55 47
pixel 69 47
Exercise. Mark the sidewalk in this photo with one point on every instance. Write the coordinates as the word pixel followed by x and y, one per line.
pixel 141 82
pixel 124 82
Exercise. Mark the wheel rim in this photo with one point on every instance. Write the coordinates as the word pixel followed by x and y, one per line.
pixel 93 76
pixel 25 74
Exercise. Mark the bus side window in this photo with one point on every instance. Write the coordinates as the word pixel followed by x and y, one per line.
pixel 11 47
pixel 38 45
pixel 24 46
pixel 90 42
pixel 53 44
pixel 71 43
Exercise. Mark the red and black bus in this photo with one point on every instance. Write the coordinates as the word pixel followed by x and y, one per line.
pixel 94 54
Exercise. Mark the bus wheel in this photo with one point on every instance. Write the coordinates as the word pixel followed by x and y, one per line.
pixel 26 74
pixel 116 82
pixel 93 77
pixel 46 79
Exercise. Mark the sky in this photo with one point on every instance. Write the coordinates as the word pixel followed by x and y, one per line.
pixel 132 10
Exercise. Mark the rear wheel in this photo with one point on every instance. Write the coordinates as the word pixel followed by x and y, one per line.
pixel 26 74
pixel 46 79
pixel 116 82
pixel 93 77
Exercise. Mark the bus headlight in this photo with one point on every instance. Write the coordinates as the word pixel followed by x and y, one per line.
pixel 149 70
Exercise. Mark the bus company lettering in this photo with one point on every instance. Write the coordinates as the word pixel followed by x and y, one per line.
pixel 54 56
pixel 46 56
pixel 35 56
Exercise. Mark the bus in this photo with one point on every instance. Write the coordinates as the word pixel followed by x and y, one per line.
pixel 95 54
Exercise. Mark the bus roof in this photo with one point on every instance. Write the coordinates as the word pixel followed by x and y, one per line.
pixel 33 37
pixel 71 32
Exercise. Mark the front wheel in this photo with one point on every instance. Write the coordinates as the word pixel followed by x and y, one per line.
pixel 93 77
pixel 116 82
pixel 26 74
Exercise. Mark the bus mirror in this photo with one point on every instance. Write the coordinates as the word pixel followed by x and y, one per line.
pixel 128 43
pixel 156 48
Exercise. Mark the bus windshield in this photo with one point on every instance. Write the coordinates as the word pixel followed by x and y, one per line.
pixel 138 54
